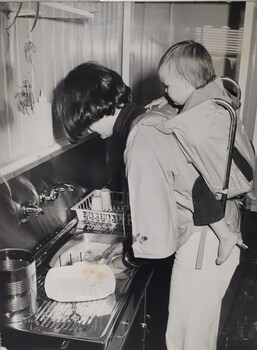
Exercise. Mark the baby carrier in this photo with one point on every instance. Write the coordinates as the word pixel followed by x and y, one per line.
pixel 232 108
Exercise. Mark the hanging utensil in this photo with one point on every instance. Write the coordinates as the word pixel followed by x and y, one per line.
pixel 36 17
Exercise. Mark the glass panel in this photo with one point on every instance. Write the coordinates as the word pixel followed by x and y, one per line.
pixel 156 26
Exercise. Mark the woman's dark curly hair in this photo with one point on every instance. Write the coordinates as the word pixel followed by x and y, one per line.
pixel 88 93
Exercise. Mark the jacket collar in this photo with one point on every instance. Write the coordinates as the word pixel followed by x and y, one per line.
pixel 125 118
pixel 214 89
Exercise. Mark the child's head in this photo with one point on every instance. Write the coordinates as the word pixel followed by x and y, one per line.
pixel 185 67
pixel 87 94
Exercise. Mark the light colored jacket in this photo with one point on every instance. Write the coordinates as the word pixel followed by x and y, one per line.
pixel 160 182
pixel 202 130
pixel 160 153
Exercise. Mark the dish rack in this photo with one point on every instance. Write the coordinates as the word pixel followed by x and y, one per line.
pixel 119 214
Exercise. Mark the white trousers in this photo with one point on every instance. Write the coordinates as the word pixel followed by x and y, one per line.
pixel 196 295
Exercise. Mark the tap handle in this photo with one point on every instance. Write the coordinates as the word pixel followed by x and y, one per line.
pixel 58 188
pixel 28 209
pixel 70 187
pixel 43 198
pixel 54 192
pixel 65 187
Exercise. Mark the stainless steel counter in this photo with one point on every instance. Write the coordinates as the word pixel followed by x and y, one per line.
pixel 98 324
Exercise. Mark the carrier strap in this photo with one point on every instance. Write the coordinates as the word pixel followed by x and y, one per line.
pixel 201 246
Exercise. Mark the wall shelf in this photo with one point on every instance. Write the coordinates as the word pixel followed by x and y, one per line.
pixel 61 10
pixel 27 162
pixel 68 9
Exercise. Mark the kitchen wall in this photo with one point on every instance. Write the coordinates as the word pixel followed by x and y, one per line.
pixel 38 59
pixel 84 167
pixel 62 39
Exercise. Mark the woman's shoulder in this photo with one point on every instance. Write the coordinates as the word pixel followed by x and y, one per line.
pixel 155 116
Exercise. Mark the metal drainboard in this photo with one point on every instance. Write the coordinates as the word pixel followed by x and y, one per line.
pixel 77 320
pixel 81 320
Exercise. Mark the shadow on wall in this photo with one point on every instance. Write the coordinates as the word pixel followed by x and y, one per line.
pixel 9 210
pixel 147 89
pixel 4 112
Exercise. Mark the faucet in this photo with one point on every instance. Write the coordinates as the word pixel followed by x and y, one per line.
pixel 54 192
pixel 27 209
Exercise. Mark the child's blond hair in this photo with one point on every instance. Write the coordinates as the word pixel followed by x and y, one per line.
pixel 191 61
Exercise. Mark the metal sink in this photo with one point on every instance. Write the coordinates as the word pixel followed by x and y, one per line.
pixel 83 246
pixel 87 320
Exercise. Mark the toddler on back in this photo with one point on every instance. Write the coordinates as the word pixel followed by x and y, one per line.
pixel 187 72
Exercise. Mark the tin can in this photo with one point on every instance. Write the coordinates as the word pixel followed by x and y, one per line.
pixel 18 292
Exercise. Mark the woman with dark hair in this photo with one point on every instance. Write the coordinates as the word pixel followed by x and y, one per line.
pixel 92 93
pixel 161 179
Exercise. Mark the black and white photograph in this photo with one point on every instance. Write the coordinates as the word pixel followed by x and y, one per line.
pixel 128 201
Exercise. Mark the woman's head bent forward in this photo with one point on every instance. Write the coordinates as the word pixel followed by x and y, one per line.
pixel 87 94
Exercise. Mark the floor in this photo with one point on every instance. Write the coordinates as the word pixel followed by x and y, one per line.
pixel 249 230
pixel 238 329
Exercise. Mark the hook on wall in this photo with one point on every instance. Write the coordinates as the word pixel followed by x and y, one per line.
pixel 14 17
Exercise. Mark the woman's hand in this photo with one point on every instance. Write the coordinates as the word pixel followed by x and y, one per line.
pixel 159 103
pixel 112 252
pixel 117 265
pixel 112 257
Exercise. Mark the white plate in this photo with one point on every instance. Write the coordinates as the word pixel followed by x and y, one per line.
pixel 79 282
